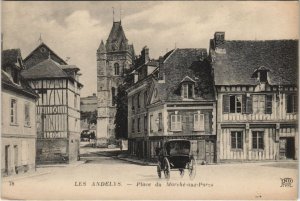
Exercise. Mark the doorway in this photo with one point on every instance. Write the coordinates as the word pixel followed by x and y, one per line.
pixel 287 148
pixel 6 159
pixel 206 151
pixel 16 158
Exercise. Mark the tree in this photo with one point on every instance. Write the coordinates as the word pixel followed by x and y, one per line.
pixel 121 120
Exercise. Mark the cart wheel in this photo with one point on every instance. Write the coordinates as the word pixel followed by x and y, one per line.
pixel 159 170
pixel 167 168
pixel 181 172
pixel 192 168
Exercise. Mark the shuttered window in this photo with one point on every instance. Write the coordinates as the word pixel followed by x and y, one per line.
pixel 258 104
pixel 13 111
pixel 291 103
pixel 232 103
pixel 236 140
pixel 188 90
pixel 199 122
pixel 257 140
pixel 268 106
pixel 176 123
pixel 139 125
pixel 159 121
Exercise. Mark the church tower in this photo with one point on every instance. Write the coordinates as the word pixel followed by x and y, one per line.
pixel 113 57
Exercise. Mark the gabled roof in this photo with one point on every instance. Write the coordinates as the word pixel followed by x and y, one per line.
pixel 187 79
pixel 10 58
pixel 46 69
pixel 40 53
pixel 182 63
pixel 23 87
pixel 242 58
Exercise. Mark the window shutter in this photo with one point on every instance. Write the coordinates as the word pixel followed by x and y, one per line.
pixel 173 122
pixel 268 104
pixel 249 105
pixel 289 103
pixel 244 103
pixel 206 123
pixel 225 103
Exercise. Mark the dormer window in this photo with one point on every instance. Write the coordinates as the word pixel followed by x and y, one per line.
pixel 261 74
pixel 188 88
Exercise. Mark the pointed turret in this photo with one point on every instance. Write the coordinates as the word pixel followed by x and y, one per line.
pixel 117 40
pixel 101 48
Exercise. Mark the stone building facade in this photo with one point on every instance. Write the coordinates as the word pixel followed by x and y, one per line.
pixel 114 58
pixel 173 98
pixel 18 121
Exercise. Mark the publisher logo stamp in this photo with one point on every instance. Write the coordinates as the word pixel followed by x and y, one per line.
pixel 286 182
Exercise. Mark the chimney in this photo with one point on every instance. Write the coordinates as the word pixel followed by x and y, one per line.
pixel 219 39
pixel 145 54
pixel 161 72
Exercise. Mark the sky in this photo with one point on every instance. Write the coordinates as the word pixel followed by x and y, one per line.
pixel 75 29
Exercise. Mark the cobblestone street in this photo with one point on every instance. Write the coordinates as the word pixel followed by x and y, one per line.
pixel 104 177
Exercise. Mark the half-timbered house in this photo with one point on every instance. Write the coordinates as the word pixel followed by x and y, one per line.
pixel 257 111
pixel 170 100
pixel 18 127
pixel 58 108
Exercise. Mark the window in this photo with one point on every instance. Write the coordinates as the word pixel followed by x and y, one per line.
pixel 257 140
pixel 235 104
pixel 258 104
pixel 27 114
pixel 241 103
pixel 145 98
pixel 75 101
pixel 117 69
pixel 145 123
pixel 138 100
pixel 139 125
pixel 188 90
pixel 236 140
pixel 291 103
pixel 132 103
pixel 159 121
pixel 199 122
pixel 151 123
pixel 176 122
pixel 132 126
pixel 262 104
pixel 263 76
pixel 113 96
pixel 13 111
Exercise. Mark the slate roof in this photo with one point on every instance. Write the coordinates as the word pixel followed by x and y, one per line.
pixel 180 63
pixel 116 36
pixel 23 87
pixel 10 57
pixel 45 69
pixel 243 58
pixel 60 60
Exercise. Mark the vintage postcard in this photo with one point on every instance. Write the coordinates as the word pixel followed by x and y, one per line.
pixel 149 100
